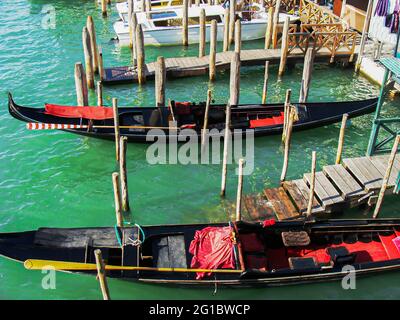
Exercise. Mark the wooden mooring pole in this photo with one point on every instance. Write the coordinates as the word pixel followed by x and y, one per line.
pixel 386 177
pixel 284 47
pixel 160 78
pixel 140 55
pixel 116 126
pixel 213 50
pixel 226 30
pixel 275 24
pixel 99 94
pixel 123 174
pixel 239 191
pixel 185 23
pixel 234 84
pixel 87 50
pixel 101 273
pixel 287 145
pixel 104 8
pixel 232 19
pixel 148 8
pixel 101 65
pixel 238 36
pixel 202 34
pixel 93 44
pixel 286 114
pixel 265 85
pixel 80 85
pixel 312 183
pixel 132 33
pixel 205 125
pixel 227 137
pixel 117 199
pixel 364 34
pixel 269 29
pixel 307 72
pixel 341 139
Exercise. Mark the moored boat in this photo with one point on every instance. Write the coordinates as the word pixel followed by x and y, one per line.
pixel 164 27
pixel 137 123
pixel 234 254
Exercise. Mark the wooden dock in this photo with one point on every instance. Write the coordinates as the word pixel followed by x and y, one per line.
pixel 337 187
pixel 195 66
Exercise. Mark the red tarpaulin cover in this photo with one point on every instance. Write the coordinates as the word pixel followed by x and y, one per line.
pixel 94 113
pixel 212 248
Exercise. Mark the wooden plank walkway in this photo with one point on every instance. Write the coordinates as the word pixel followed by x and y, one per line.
pixel 179 67
pixel 337 187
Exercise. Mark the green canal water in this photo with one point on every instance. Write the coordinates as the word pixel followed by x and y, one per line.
pixel 57 179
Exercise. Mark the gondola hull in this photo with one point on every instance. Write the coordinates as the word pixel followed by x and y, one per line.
pixel 367 244
pixel 310 115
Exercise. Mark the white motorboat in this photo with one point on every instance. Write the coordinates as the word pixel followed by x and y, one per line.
pixel 164 27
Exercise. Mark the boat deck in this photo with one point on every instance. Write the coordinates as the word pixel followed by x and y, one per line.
pixel 337 187
pixel 195 66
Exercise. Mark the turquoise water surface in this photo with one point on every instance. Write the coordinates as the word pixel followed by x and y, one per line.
pixel 57 179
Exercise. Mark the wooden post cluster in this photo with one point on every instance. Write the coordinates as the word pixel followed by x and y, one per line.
pixel 226 30
pixel 284 47
pixel 202 33
pixel 87 50
pixel 239 191
pixel 287 144
pixel 275 24
pixel 307 72
pixel 80 85
pixel 227 137
pixel 213 49
pixel 341 139
pixel 116 127
pixel 123 174
pixel 265 85
pixel 93 44
pixel 140 55
pixel 238 36
pixel 269 29
pixel 117 199
pixel 386 176
pixel 232 16
pixel 234 85
pixel 160 78
pixel 312 183
pixel 101 273
pixel 185 23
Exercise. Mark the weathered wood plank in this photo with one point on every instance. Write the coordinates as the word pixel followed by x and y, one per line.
pixel 258 207
pixel 348 186
pixel 282 205
pixel 365 172
pixel 299 192
pixel 324 190
pixel 381 164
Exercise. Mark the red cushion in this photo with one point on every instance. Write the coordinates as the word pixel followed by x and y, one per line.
pixel 251 243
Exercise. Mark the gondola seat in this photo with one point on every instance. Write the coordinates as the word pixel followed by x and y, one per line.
pixel 169 252
pixel 341 256
pixel 251 242
pixel 297 263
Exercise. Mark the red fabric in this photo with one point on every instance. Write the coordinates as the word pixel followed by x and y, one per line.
pixel 268 223
pixel 267 121
pixel 396 242
pixel 94 113
pixel 183 108
pixel 256 262
pixel 390 246
pixel 212 248
pixel 188 126
pixel 251 243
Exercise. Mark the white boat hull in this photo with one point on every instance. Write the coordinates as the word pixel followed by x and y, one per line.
pixel 251 30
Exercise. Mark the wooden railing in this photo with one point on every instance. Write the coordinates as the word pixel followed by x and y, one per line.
pixel 342 43
pixel 286 5
pixel 312 13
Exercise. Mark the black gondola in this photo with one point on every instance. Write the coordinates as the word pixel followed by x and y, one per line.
pixel 238 254
pixel 264 119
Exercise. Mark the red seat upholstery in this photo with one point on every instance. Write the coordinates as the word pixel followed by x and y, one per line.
pixel 390 247
pixel 251 243
pixel 256 262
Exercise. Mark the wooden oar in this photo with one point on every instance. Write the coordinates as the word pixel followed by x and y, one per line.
pixel 33 264
pixel 57 126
